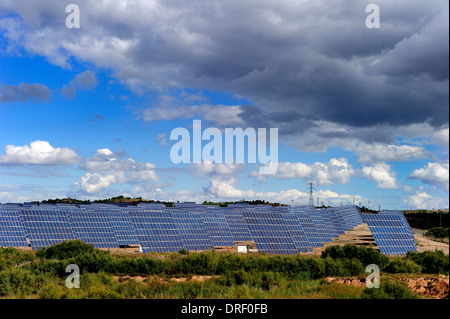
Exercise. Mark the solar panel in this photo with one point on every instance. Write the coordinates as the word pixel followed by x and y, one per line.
pixel 155 230
pixel 12 231
pixel 191 229
pixel 297 232
pixel 270 233
pixel 304 217
pixel 391 232
pixel 123 227
pixel 216 225
pixel 93 226
pixel 237 224
pixel 46 226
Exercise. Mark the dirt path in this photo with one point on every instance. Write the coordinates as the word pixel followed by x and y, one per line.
pixel 428 244
pixel 179 279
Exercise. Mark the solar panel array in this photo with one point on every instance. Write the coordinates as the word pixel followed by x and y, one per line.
pixel 157 228
pixel 46 225
pixel 191 229
pixel 270 232
pixel 12 231
pixel 391 232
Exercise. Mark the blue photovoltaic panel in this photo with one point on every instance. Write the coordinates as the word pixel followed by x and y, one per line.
pixel 46 226
pixel 216 225
pixel 93 227
pixel 319 224
pixel 191 229
pixel 237 224
pixel 337 221
pixel 297 233
pixel 12 231
pixel 391 232
pixel 329 225
pixel 314 237
pixel 123 227
pixel 156 230
pixel 270 233
pixel 278 230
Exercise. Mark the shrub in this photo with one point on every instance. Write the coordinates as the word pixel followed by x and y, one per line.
pixel 402 265
pixel 432 262
pixel 66 250
pixel 438 232
pixel 183 251
pixel 389 290
pixel 365 255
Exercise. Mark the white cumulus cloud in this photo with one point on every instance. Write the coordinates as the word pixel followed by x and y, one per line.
pixel 38 153
pixel 105 168
pixel 381 174
pixel 436 174
pixel 389 153
pixel 336 170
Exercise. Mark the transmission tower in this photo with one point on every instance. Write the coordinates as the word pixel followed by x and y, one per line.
pixel 311 191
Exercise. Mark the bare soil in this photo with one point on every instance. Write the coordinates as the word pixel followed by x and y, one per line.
pixel 431 287
pixel 426 243
pixel 162 280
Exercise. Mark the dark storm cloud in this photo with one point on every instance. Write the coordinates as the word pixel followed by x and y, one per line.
pixel 298 62
pixel 24 92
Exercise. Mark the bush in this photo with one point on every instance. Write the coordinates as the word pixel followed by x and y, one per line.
pixel 432 262
pixel 389 290
pixel 66 250
pixel 183 251
pixel 402 265
pixel 438 232
pixel 365 255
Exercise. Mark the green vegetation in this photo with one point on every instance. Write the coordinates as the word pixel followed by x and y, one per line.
pixel 42 274
pixel 432 262
pixel 425 219
pixel 438 232
pixel 390 290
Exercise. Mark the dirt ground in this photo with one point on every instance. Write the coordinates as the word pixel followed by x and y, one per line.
pixel 179 279
pixel 434 287
pixel 428 244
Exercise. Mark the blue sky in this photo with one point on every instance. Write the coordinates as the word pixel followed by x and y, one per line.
pixel 362 113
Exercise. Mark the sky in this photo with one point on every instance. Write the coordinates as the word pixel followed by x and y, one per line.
pixel 363 113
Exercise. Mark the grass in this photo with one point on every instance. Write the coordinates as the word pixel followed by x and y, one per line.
pixel 42 274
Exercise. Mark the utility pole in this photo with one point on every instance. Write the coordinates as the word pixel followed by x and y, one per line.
pixel 311 190
pixel 317 201
pixel 370 204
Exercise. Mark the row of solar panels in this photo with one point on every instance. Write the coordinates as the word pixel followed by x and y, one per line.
pixel 278 230
pixel 391 232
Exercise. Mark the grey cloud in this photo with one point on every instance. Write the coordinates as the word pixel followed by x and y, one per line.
pixel 84 81
pixel 297 62
pixel 24 92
